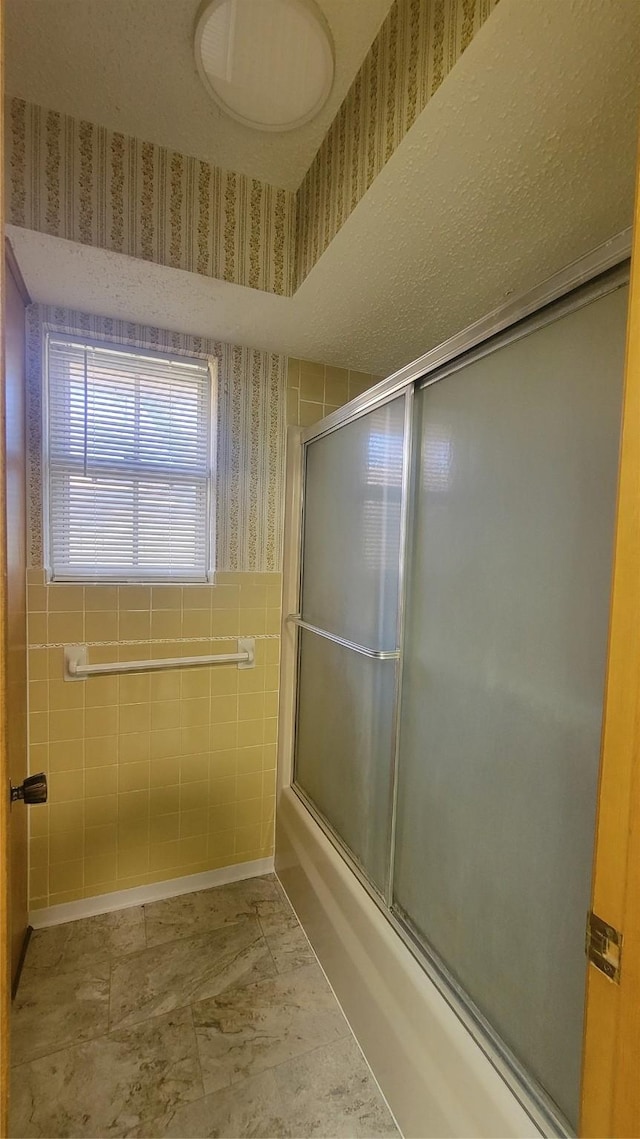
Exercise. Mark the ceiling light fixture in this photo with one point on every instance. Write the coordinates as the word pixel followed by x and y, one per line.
pixel 267 63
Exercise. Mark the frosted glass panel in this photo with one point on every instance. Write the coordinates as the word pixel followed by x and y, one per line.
pixel 503 676
pixel 345 744
pixel 353 492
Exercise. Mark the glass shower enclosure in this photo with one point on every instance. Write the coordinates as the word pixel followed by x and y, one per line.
pixel 455 564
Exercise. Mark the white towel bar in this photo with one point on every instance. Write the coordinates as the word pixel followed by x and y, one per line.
pixel 77 668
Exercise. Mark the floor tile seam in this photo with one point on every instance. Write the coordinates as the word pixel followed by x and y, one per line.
pixel 62 1048
pixel 121 1026
pixel 284 969
pixel 61 969
pixel 263 981
pixel 241 920
pixel 154 1016
pixel 278 933
pixel 101 1035
pixel 189 1001
pixel 271 1067
pixel 111 972
pixel 197 1055
pixel 84 960
pixel 269 949
pixel 274 1067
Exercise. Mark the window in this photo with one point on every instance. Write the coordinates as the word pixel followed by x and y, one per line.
pixel 128 457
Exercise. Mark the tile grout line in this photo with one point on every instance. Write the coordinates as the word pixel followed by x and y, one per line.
pixel 197 1052
pixel 217 929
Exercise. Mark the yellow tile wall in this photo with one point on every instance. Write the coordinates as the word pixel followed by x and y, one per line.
pixel 158 775
pixel 314 390
pixel 153 775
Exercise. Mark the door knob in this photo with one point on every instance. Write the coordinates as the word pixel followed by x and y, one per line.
pixel 33 790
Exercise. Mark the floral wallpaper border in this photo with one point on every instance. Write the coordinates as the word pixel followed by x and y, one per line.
pixel 73 179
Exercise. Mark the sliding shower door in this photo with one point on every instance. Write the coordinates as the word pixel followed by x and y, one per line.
pixel 504 663
pixel 348 644
pixel 452 648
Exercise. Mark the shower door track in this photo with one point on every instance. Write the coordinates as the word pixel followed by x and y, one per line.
pixel 610 256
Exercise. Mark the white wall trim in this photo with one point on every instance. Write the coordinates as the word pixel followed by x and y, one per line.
pixel 155 892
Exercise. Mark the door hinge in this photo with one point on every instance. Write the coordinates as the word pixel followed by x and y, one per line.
pixel 604 947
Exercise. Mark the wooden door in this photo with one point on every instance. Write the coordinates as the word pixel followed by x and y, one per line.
pixel 5 954
pixel 611 1068
pixel 16 300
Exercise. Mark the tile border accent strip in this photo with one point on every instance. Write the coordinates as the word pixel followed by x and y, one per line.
pixel 158 641
pixel 140 895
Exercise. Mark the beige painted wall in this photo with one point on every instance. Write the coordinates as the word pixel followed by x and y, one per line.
pixel 155 776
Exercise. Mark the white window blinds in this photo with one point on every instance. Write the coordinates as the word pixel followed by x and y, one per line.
pixel 128 455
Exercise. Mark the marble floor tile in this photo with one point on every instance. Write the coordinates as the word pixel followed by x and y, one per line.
pixel 286 939
pixel 111 935
pixel 59 1006
pixel 108 1087
pixel 244 1031
pixel 169 976
pixel 206 1015
pixel 191 914
pixel 328 1093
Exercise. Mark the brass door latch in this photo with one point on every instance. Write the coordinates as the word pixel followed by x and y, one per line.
pixel 604 947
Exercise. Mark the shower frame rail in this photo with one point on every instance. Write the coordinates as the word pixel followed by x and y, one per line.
pixel 76 667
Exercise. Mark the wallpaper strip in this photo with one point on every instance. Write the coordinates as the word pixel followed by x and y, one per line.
pixel 73 179
pixel 250 438
pixel 415 49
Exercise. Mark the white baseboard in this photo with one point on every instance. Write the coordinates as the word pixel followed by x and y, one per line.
pixel 139 895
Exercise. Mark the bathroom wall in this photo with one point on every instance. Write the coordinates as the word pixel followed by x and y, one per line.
pixel 77 180
pixel 414 51
pixel 315 390
pixel 155 776
pixel 151 776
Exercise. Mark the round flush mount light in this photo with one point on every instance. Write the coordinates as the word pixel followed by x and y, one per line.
pixel 267 63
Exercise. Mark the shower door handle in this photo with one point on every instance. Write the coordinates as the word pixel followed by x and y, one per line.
pixel 373 654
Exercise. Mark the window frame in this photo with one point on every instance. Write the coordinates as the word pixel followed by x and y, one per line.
pixel 211 363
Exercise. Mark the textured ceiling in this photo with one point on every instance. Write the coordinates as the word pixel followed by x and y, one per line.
pixel 522 161
pixel 129 65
